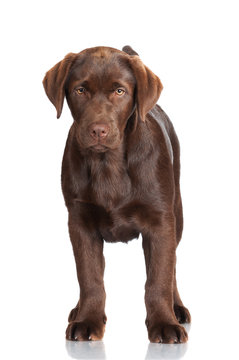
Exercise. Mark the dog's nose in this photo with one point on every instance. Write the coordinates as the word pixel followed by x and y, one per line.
pixel 99 131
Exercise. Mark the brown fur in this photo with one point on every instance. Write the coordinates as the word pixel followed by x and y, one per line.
pixel 120 178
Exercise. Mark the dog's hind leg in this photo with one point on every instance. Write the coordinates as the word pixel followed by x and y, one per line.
pixel 73 313
pixel 181 312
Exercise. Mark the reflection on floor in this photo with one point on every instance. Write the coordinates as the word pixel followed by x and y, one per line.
pixel 86 349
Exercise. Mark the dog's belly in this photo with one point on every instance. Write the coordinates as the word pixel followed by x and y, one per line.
pixel 122 233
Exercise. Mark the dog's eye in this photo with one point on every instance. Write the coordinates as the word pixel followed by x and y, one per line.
pixel 80 91
pixel 119 92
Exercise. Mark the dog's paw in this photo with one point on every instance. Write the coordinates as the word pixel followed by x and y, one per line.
pixel 182 314
pixel 167 334
pixel 86 330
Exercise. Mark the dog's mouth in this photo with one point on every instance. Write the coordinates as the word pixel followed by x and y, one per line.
pixel 99 148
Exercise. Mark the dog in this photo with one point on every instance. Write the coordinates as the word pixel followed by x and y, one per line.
pixel 120 179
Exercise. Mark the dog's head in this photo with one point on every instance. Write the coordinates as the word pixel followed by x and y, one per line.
pixel 103 88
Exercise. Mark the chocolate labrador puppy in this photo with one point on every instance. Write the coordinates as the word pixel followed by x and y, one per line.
pixel 120 178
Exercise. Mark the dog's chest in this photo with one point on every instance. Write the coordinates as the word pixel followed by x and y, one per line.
pixel 108 183
pixel 113 199
pixel 109 189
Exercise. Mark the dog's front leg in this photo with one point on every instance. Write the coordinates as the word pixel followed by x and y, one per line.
pixel 159 243
pixel 87 320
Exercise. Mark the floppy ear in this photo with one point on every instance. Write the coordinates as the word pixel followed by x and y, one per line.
pixel 128 49
pixel 148 87
pixel 54 81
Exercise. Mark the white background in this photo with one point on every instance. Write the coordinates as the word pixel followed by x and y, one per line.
pixel 193 47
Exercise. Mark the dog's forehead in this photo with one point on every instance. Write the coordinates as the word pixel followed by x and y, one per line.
pixel 101 52
pixel 102 64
